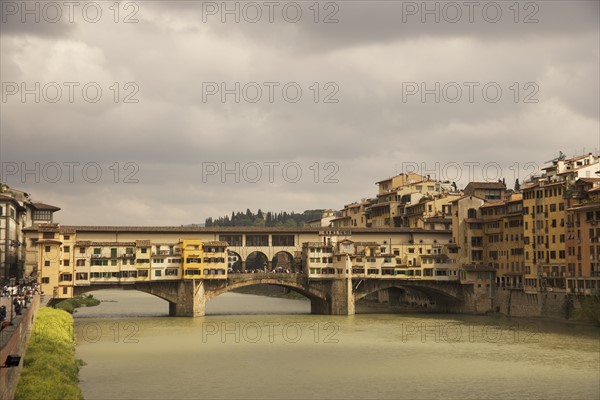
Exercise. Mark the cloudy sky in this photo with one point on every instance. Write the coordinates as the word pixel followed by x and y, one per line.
pixel 165 113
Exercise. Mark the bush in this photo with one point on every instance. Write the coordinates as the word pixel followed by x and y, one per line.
pixel 66 306
pixel 50 369
pixel 80 301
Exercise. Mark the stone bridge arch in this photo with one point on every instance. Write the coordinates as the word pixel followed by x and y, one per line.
pixel 312 293
pixel 447 295
pixel 165 290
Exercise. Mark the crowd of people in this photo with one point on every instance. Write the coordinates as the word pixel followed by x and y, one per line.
pixel 20 296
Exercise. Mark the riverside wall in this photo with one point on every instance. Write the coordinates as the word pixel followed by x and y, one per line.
pixel 13 340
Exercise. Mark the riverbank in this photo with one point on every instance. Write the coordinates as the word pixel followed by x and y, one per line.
pixel 365 306
pixel 50 370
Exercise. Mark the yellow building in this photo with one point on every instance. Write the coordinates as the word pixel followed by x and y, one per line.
pixel 544 234
pixel 192 254
pixel 391 184
pixel 353 215
pixel 54 276
pixel 214 260
pixel 503 239
pixel 390 208
pixel 422 214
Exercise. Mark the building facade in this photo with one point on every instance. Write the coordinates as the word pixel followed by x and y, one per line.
pixel 18 211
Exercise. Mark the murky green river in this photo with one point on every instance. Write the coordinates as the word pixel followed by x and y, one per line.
pixel 257 347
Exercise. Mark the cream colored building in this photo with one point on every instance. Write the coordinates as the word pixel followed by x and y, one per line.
pixel 422 214
pixel 17 211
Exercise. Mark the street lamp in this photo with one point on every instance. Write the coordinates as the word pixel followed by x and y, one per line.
pixel 11 307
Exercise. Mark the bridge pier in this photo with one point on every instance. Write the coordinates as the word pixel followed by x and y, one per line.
pixel 190 300
pixel 340 299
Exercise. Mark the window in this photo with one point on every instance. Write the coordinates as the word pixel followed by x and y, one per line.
pixel 192 272
pixel 144 250
pixel 66 263
pixel 283 240
pixel 232 240
pixel 67 249
pixel 45 280
pixel 97 250
pixel 48 235
pixel 80 263
pixel 158 272
pixel 171 272
pixel 82 250
pixel 47 249
pixel 42 215
pixel 257 240
pixel 46 263
pixel 66 278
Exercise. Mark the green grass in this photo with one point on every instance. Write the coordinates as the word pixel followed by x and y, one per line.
pixel 69 305
pixel 50 369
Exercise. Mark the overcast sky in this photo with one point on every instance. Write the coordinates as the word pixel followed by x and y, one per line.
pixel 369 74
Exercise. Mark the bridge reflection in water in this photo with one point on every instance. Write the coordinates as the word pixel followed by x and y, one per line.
pixel 330 296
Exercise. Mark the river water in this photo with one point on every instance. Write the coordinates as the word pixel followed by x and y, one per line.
pixel 255 347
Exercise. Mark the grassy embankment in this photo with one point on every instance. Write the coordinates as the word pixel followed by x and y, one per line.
pixel 50 369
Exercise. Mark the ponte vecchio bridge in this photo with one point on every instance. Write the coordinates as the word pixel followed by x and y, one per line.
pixel 71 260
pixel 328 296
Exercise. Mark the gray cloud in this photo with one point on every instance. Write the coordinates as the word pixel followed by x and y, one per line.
pixel 373 131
